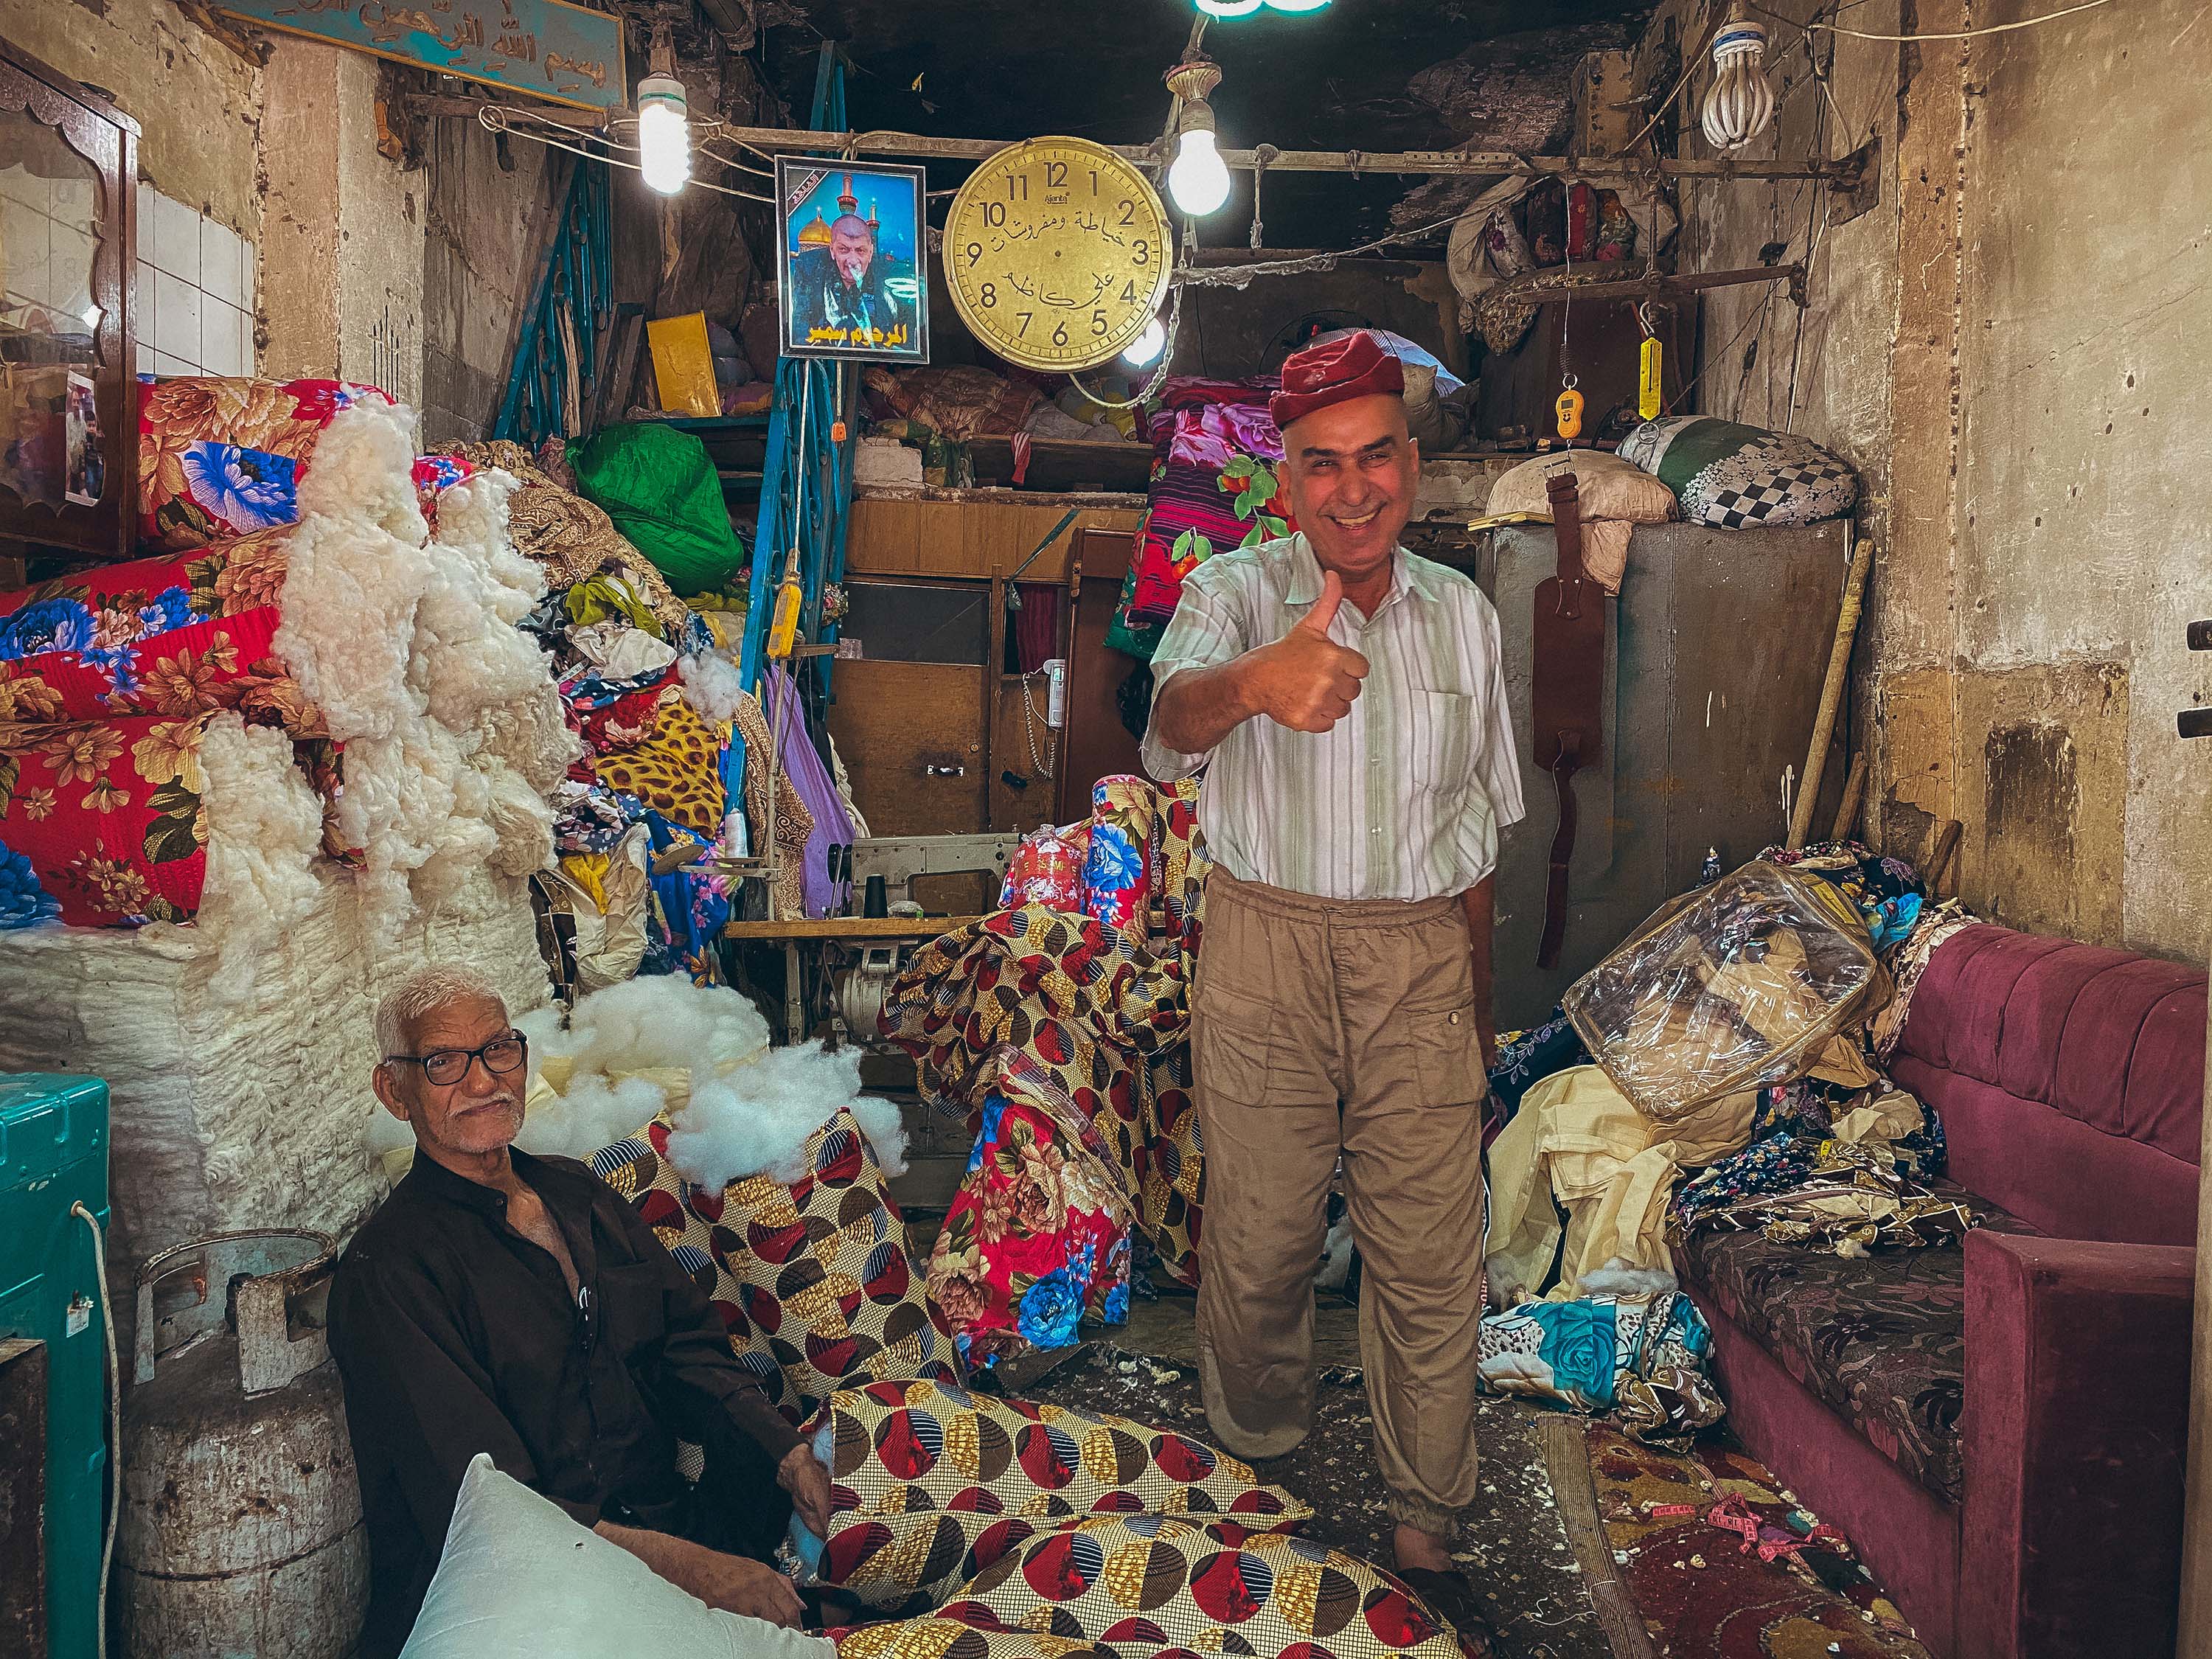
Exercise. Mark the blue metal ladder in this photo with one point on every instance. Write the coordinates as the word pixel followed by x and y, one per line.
pixel 806 482
pixel 578 281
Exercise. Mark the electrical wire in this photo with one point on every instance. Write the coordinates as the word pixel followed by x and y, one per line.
pixel 1952 34
pixel 114 1417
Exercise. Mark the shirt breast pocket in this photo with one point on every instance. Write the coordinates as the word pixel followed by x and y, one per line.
pixel 632 1312
pixel 1440 741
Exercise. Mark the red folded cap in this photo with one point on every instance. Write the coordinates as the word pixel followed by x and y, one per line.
pixel 1334 372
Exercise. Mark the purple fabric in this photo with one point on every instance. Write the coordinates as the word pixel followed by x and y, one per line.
pixel 833 826
pixel 2068 1179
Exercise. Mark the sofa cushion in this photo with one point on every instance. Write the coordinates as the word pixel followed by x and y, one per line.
pixel 1880 1340
pixel 2113 1041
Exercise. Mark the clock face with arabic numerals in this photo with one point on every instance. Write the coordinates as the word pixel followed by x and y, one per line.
pixel 1056 251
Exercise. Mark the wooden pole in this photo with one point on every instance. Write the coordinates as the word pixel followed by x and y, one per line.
pixel 1854 793
pixel 1479 163
pixel 1832 694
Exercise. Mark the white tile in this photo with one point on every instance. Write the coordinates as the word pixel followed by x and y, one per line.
pixel 142 301
pixel 166 364
pixel 249 268
pixel 23 235
pixel 221 254
pixel 220 335
pixel 145 357
pixel 175 246
pixel 176 317
pixel 146 193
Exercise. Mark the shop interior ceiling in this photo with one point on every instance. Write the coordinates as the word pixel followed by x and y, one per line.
pixel 1369 74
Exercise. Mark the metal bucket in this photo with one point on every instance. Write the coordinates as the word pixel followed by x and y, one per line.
pixel 241 1534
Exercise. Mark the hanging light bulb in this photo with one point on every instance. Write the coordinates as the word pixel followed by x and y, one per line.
pixel 663 126
pixel 1231 8
pixel 1740 106
pixel 1145 350
pixel 1297 5
pixel 1198 179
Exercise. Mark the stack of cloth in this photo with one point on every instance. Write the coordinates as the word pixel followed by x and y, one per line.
pixel 1601 1119
pixel 1057 1027
pixel 1217 458
pixel 317 660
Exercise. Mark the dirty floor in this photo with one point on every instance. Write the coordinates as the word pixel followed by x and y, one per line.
pixel 1566 1577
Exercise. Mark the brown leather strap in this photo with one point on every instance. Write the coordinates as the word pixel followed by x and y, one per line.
pixel 1564 490
pixel 1567 693
pixel 1563 851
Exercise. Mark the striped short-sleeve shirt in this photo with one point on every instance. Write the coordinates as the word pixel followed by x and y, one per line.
pixel 1403 798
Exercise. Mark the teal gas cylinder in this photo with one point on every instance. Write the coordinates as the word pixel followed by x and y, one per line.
pixel 53 1156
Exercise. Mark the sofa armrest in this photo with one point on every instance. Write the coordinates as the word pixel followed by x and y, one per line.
pixel 2075 1425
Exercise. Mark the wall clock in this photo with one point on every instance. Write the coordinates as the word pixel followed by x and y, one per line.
pixel 1056 251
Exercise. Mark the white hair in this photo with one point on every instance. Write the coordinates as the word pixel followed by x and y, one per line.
pixel 425 989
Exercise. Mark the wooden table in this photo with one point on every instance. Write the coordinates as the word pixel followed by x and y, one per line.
pixel 846 930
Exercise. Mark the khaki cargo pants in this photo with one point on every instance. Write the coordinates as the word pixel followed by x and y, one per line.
pixel 1321 1027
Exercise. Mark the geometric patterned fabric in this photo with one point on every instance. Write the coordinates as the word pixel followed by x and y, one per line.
pixel 932 1485
pixel 1143 1587
pixel 813 1280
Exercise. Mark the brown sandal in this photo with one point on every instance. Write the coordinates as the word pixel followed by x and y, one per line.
pixel 1452 1599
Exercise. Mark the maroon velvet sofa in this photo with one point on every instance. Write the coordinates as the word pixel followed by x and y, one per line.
pixel 2000 1428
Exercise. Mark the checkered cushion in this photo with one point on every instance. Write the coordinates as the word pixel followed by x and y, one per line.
pixel 1742 477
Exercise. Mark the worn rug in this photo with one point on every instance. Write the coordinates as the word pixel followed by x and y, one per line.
pixel 1696 1588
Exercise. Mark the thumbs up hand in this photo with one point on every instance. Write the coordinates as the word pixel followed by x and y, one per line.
pixel 1305 680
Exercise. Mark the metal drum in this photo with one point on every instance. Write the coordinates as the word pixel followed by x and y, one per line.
pixel 241 1534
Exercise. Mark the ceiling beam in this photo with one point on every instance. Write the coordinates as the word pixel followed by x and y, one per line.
pixel 1843 174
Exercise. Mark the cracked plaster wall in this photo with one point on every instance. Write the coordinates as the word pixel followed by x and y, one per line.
pixel 2015 346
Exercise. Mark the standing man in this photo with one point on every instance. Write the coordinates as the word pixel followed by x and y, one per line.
pixel 1350 701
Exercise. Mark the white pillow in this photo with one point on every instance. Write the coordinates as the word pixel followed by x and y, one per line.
pixel 519 1580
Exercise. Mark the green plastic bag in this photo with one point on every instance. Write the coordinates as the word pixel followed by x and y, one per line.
pixel 659 487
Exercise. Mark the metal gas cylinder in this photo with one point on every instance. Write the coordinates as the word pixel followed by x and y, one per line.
pixel 240 1535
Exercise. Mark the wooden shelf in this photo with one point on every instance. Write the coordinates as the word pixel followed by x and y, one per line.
pixel 856 928
pixel 1066 463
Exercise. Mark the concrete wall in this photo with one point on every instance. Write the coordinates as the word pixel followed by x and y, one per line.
pixel 2013 347
pixel 489 222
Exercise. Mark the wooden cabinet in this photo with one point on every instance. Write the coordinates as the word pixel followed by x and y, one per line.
pixel 68 403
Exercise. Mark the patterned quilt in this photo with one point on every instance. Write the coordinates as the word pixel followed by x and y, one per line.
pixel 1073 1030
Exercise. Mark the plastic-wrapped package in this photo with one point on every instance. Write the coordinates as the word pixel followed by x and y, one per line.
pixel 1046 869
pixel 1734 985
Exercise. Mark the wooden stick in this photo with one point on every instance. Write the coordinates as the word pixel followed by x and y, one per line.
pixel 1832 694
pixel 1946 849
pixel 1854 793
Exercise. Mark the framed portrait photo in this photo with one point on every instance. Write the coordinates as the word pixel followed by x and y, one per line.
pixel 851 261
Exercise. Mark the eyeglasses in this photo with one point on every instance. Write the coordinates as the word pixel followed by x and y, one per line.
pixel 446 1066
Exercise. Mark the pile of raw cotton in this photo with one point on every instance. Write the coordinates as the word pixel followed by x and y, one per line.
pixel 736 1107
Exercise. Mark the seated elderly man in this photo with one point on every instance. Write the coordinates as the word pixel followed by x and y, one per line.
pixel 517 1305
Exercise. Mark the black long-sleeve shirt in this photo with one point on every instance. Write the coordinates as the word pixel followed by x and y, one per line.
pixel 454 1335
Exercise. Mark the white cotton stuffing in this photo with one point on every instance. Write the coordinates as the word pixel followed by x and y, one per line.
pixel 751 1109
pixel 756 1118
pixel 453 728
pixel 351 586
pixel 658 1021
pixel 264 827
pixel 711 686
pixel 591 1113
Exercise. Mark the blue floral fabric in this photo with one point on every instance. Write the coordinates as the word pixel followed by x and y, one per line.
pixel 24 901
pixel 1644 1358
